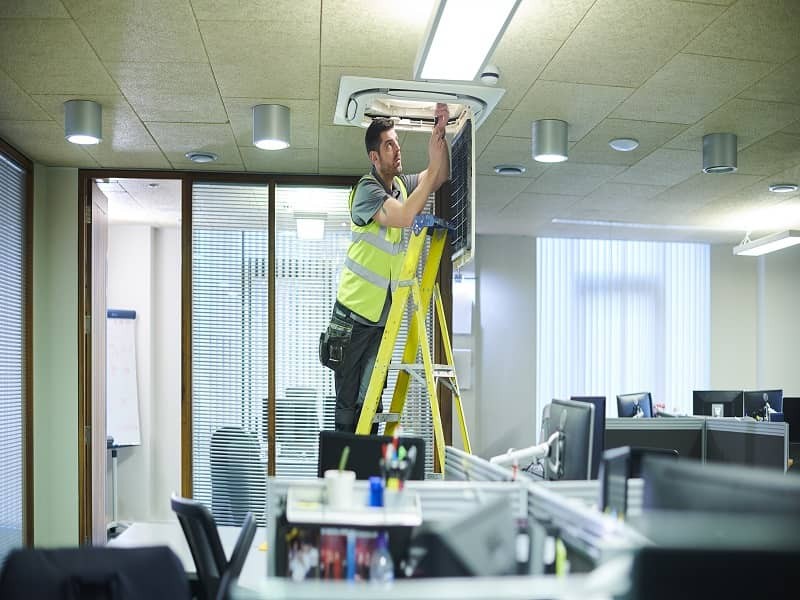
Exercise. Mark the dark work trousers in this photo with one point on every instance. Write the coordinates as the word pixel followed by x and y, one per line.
pixel 352 377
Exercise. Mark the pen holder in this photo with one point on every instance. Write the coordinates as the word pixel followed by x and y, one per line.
pixel 339 488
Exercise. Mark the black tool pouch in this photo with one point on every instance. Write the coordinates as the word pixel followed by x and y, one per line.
pixel 334 340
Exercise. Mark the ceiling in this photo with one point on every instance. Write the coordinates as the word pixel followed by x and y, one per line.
pixel 181 75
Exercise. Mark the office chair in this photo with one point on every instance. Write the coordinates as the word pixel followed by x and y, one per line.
pixel 639 404
pixel 94 572
pixel 365 453
pixel 215 573
pixel 238 475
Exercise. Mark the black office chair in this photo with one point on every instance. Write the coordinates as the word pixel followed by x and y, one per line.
pixel 238 476
pixel 365 453
pixel 639 404
pixel 94 572
pixel 215 573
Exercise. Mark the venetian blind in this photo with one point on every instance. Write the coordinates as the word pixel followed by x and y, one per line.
pixel 12 224
pixel 230 348
pixel 312 234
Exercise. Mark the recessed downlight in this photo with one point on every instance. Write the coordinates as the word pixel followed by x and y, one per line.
pixel 624 144
pixel 783 188
pixel 199 156
pixel 509 169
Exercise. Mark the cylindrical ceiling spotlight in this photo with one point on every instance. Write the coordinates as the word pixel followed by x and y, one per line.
pixel 83 122
pixel 271 126
pixel 719 153
pixel 549 140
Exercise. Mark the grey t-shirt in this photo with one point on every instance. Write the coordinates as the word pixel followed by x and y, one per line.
pixel 368 199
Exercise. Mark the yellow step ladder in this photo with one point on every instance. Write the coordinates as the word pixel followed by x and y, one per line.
pixel 426 373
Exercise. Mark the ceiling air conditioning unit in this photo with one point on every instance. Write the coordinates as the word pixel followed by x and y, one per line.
pixel 411 103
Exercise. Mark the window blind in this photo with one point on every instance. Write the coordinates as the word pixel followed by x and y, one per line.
pixel 12 228
pixel 617 317
pixel 230 348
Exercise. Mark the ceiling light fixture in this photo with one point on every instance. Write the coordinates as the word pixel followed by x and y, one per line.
pixel 271 128
pixel 310 226
pixel 549 140
pixel 201 156
pixel 509 169
pixel 783 188
pixel 765 245
pixel 466 29
pixel 83 122
pixel 719 153
pixel 624 144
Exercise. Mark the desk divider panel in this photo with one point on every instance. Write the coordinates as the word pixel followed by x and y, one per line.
pixel 460 466
pixel 756 444
pixel 684 434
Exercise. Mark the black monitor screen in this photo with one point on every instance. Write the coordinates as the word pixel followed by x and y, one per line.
pixel 718 403
pixel 791 414
pixel 598 434
pixel 573 454
pixel 755 402
pixel 365 453
pixel 693 486
pixel 632 405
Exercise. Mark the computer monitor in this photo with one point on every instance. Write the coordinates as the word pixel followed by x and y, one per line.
pixel 755 402
pixel 571 456
pixel 365 453
pixel 635 405
pixel 718 403
pixel 693 486
pixel 791 414
pixel 599 432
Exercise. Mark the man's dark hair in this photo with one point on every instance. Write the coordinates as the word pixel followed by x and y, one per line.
pixel 372 139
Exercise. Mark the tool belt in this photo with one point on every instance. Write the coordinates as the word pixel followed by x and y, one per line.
pixel 334 340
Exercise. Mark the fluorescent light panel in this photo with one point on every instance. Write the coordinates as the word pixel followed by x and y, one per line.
pixel 631 225
pixel 461 37
pixel 310 228
pixel 770 243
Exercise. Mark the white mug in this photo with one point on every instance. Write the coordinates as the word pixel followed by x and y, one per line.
pixel 339 486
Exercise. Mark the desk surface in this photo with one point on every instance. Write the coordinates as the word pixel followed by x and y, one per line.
pixel 169 533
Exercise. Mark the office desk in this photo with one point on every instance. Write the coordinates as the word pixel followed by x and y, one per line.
pixel 169 533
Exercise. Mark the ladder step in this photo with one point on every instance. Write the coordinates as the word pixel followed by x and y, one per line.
pixel 439 371
pixel 386 417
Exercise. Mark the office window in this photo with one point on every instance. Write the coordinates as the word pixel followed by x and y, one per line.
pixel 12 367
pixel 622 316
pixel 229 348
pixel 312 234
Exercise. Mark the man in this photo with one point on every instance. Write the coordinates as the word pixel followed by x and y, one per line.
pixel 382 203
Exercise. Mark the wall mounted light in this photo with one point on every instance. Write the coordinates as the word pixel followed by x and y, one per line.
pixel 460 38
pixel 719 153
pixel 770 243
pixel 549 140
pixel 271 129
pixel 83 122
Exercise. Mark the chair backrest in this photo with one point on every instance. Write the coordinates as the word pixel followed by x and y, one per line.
pixel 94 572
pixel 365 453
pixel 628 405
pixel 238 475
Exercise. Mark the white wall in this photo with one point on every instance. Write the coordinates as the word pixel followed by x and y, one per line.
pixel 55 356
pixel 144 275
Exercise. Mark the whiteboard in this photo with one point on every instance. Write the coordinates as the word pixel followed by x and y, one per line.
pixel 122 394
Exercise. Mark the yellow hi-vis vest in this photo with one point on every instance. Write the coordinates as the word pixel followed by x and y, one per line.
pixel 373 262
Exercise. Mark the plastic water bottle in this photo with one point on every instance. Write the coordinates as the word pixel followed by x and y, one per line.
pixel 381 566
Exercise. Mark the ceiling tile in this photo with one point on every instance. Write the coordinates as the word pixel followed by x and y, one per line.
pixel 171 92
pixel 494 192
pixel 773 154
pixel 486 132
pixel 688 87
pixel 750 120
pixel 571 178
pixel 551 19
pixel 385 33
pixel 521 58
pixel 146 30
pixel 699 190
pixel 538 207
pixel 781 85
pixel 618 197
pixel 302 15
pixel 506 150
pixel 290 160
pixel 792 128
pixel 583 106
pixel 17 105
pixel 594 148
pixel 33 9
pixel 342 147
pixel 663 167
pixel 303 122
pixel 176 139
pixel 51 56
pixel 44 143
pixel 624 43
pixel 763 30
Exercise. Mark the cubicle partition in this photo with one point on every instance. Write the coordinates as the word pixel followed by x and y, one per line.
pixel 684 434
pixel 756 444
pixel 461 466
